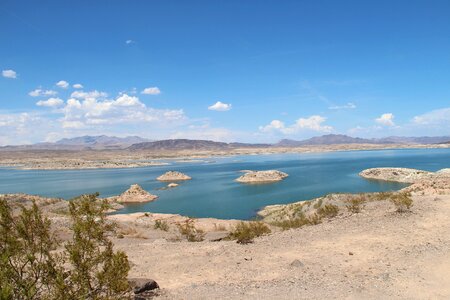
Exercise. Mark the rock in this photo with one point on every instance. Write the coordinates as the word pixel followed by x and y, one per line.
pixel 262 176
pixel 404 175
pixel 172 185
pixel 350 253
pixel 296 264
pixel 173 176
pixel 135 194
pixel 145 285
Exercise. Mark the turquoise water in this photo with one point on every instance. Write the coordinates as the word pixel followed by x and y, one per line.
pixel 213 192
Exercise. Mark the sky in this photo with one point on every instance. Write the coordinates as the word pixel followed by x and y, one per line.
pixel 248 71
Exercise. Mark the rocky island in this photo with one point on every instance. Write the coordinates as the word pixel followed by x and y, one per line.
pixel 173 176
pixel 135 194
pixel 404 175
pixel 262 176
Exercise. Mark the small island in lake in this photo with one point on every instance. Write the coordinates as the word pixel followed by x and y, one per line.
pixel 262 176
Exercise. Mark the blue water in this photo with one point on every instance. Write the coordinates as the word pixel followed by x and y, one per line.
pixel 213 192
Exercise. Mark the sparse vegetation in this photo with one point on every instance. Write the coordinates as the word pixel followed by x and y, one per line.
pixel 356 203
pixel 188 230
pixel 328 211
pixel 402 201
pixel 162 225
pixel 245 232
pixel 87 268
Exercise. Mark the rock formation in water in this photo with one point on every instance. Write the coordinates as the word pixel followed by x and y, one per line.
pixel 172 185
pixel 404 175
pixel 173 176
pixel 135 194
pixel 262 176
pixel 424 182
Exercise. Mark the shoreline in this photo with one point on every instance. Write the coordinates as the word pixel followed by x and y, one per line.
pixel 121 159
pixel 376 252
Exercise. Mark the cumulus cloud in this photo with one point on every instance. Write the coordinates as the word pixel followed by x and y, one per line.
pixel 128 42
pixel 313 123
pixel 151 91
pixel 349 105
pixel 220 106
pixel 62 84
pixel 386 119
pixel 77 86
pixel 9 74
pixel 42 93
pixel 52 102
pixel 92 108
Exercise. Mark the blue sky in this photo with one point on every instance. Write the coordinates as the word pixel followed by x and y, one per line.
pixel 254 71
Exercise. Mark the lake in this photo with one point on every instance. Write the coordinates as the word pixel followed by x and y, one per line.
pixel 213 192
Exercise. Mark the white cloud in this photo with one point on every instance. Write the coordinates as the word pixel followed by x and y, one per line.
pixel 128 42
pixel 52 102
pixel 151 91
pixel 9 74
pixel 349 105
pixel 62 84
pixel 42 93
pixel 220 106
pixel 22 128
pixel 77 86
pixel 313 123
pixel 92 108
pixel 386 119
pixel 85 95
pixel 434 117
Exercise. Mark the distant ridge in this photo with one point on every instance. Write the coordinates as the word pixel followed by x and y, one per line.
pixel 100 142
pixel 104 142
pixel 185 144
pixel 328 139
pixel 331 139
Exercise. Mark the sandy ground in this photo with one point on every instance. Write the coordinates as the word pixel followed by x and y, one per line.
pixel 376 254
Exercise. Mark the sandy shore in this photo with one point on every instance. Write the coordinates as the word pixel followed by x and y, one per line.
pixel 90 159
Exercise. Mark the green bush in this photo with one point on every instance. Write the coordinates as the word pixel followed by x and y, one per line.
pixel 87 268
pixel 356 204
pixel 28 268
pixel 328 211
pixel 162 225
pixel 402 201
pixel 188 229
pixel 245 232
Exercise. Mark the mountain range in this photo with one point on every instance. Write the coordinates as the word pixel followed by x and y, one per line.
pixel 136 143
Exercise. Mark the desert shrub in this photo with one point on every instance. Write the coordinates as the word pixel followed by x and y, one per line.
pixel 291 223
pixel 318 203
pixel 402 202
pixel 87 268
pixel 97 271
pixel 188 229
pixel 314 219
pixel 328 211
pixel 245 232
pixel 356 204
pixel 298 222
pixel 28 268
pixel 162 225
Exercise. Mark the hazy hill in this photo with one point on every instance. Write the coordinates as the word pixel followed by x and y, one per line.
pixel 102 141
pixel 328 139
pixel 180 144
